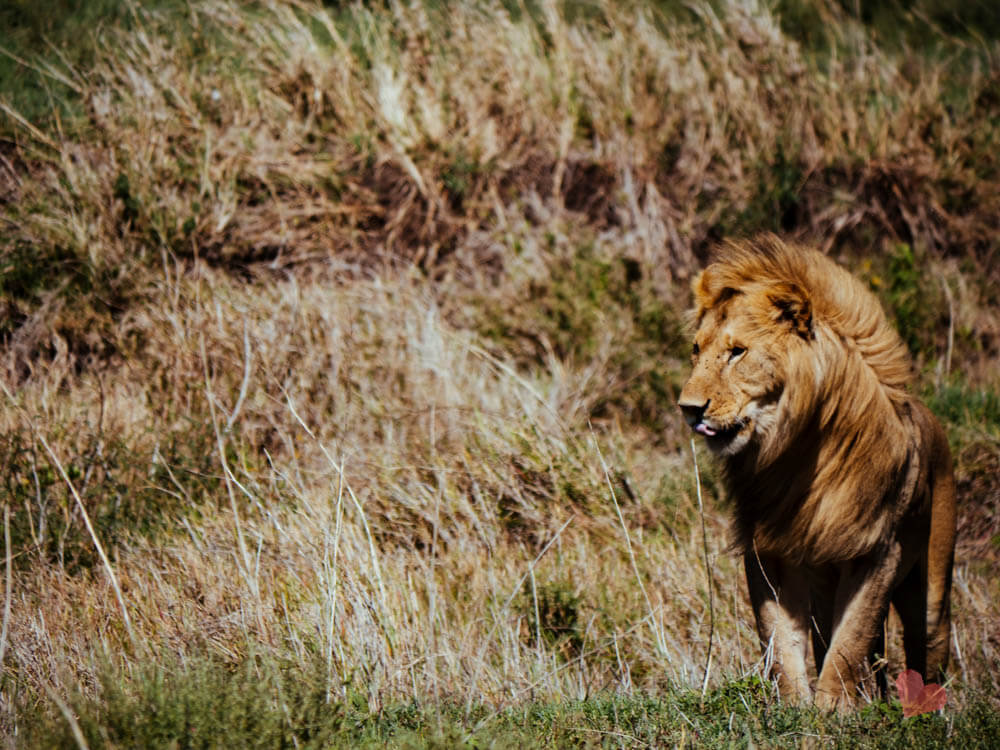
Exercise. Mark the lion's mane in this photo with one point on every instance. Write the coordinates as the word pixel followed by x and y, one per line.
pixel 835 471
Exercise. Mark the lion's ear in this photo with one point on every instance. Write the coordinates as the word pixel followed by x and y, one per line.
pixel 709 290
pixel 701 288
pixel 792 306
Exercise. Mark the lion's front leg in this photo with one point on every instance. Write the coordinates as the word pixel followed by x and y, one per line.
pixel 779 594
pixel 861 603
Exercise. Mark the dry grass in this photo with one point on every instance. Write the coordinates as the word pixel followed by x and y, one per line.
pixel 292 303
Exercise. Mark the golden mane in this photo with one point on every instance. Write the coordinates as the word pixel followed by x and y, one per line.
pixel 838 299
pixel 843 404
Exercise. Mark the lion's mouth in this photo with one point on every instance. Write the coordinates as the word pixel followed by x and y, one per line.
pixel 719 434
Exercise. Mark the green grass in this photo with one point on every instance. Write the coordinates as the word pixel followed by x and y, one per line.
pixel 956 403
pixel 927 26
pixel 260 704
pixel 46 44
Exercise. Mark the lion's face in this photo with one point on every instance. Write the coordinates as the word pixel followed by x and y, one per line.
pixel 740 361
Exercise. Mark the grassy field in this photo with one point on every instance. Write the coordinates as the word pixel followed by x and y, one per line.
pixel 339 348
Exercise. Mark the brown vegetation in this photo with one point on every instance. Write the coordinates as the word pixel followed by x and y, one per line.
pixel 320 324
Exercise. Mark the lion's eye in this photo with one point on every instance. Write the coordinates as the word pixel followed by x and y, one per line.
pixel 695 350
pixel 736 351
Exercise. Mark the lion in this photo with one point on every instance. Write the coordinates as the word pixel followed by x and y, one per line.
pixel 841 481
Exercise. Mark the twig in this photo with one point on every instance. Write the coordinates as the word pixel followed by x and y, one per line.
pixel 951 326
pixel 538 618
pixel 46 70
pixel 333 585
pixel 247 357
pixel 657 633
pixel 26 124
pixel 74 725
pixel 708 574
pixel 229 479
pixel 6 604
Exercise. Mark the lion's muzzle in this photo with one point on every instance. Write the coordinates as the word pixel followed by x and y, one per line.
pixel 694 414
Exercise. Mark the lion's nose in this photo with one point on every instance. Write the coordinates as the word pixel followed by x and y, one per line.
pixel 693 412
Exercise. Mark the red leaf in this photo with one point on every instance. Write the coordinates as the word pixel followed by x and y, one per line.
pixel 917 698
pixel 909 684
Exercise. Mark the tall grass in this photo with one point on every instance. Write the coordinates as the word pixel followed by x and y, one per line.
pixel 340 347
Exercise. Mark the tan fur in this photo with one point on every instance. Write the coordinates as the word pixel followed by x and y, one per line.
pixel 841 481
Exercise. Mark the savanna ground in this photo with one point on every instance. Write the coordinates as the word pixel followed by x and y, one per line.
pixel 339 347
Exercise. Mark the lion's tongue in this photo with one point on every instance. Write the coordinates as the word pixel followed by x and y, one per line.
pixel 704 429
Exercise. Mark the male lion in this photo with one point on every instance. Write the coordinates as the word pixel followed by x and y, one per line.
pixel 842 484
